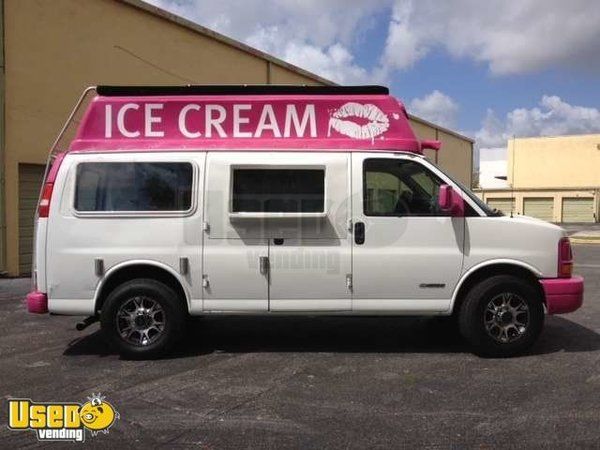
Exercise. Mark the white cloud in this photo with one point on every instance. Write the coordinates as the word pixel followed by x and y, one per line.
pixel 403 47
pixel 334 61
pixel 553 117
pixel 492 132
pixel 317 35
pixel 436 107
pixel 509 36
pixel 322 22
pixel 493 154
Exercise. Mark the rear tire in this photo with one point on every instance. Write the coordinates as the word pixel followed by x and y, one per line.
pixel 143 318
pixel 501 316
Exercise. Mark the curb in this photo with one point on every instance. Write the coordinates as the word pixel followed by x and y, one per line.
pixel 585 240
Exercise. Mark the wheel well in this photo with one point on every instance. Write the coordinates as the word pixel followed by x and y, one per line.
pixel 490 271
pixel 134 271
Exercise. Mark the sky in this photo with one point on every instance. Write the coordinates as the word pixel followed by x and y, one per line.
pixel 489 69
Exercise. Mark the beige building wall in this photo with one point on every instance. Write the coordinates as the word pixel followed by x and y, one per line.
pixel 557 196
pixel 456 157
pixel 55 48
pixel 554 162
pixel 561 171
pixel 456 154
pixel 281 75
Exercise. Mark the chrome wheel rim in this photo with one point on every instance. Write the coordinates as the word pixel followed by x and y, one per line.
pixel 506 317
pixel 140 321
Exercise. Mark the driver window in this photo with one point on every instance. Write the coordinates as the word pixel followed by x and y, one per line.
pixel 395 187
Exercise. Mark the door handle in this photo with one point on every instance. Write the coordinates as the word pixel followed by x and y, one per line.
pixel 263 262
pixel 359 233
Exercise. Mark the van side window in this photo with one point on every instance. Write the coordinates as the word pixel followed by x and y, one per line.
pixel 278 190
pixel 138 186
pixel 393 187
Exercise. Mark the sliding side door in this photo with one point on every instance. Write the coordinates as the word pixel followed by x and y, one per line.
pixel 277 233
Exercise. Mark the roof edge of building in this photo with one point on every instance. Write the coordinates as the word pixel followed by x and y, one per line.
pixel 557 136
pixel 171 17
pixel 444 129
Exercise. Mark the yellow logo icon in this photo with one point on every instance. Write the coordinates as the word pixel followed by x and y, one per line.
pixel 62 421
pixel 97 414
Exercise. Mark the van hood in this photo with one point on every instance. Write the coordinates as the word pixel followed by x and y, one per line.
pixel 539 222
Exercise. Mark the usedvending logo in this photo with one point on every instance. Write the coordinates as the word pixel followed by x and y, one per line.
pixel 62 421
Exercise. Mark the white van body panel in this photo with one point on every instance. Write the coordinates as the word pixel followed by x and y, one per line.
pixel 407 265
pixel 311 275
pixel 39 254
pixel 232 275
pixel 75 240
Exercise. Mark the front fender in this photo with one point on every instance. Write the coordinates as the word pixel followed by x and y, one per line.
pixel 487 264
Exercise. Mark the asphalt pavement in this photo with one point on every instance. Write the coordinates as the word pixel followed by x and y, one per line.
pixel 315 382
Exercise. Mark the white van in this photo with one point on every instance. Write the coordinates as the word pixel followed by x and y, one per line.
pixel 197 200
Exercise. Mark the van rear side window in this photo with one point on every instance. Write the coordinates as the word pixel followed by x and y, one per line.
pixel 136 187
pixel 278 191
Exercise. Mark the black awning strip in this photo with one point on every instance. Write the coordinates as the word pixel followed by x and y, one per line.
pixel 123 91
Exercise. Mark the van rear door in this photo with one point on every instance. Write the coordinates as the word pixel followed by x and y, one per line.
pixel 122 209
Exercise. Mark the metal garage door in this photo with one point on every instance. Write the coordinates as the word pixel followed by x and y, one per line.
pixel 576 209
pixel 30 180
pixel 542 208
pixel 505 205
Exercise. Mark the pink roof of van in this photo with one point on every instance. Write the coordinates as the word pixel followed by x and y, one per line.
pixel 246 118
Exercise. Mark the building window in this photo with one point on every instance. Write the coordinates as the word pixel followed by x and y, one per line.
pixel 133 187
pixel 278 191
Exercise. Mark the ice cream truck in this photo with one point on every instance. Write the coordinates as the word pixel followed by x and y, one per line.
pixel 170 202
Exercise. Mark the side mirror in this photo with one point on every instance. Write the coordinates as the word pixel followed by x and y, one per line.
pixel 450 201
pixel 445 198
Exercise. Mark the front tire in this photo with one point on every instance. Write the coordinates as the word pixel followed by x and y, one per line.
pixel 143 318
pixel 501 316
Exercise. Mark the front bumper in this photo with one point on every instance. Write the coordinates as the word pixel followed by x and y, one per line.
pixel 563 295
pixel 37 302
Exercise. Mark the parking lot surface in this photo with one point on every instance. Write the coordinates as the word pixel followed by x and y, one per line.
pixel 285 382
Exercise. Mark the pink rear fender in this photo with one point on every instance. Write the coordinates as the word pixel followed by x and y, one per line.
pixel 37 302
pixel 563 295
